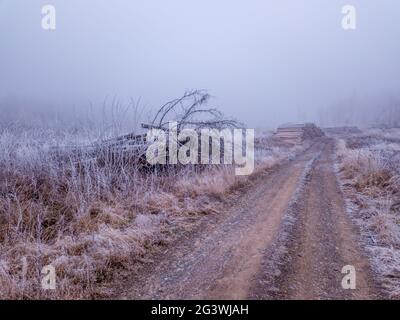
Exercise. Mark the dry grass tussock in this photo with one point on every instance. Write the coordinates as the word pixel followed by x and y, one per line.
pixel 370 176
pixel 90 219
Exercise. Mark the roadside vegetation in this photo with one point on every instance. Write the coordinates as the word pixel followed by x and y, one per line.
pixel 369 170
pixel 94 219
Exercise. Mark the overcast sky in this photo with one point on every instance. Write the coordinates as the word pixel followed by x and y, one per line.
pixel 264 61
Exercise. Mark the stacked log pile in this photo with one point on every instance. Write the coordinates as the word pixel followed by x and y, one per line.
pixel 297 133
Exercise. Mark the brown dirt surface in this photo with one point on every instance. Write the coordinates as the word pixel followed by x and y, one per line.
pixel 285 237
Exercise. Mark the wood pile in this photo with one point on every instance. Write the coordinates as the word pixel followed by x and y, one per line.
pixel 297 133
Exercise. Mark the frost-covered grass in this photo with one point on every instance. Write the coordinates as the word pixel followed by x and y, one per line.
pixel 90 219
pixel 370 177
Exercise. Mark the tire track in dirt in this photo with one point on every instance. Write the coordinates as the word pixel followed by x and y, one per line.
pixel 307 263
pixel 286 237
pixel 220 261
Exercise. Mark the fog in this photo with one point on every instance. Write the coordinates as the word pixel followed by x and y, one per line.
pixel 265 62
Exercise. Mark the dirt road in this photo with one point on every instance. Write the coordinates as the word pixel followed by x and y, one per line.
pixel 287 237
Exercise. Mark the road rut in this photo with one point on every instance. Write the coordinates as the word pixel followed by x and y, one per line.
pixel 250 251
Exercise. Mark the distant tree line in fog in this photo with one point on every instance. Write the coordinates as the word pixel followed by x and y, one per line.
pixel 382 111
pixel 113 116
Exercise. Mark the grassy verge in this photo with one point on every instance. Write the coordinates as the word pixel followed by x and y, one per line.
pixel 368 167
pixel 91 220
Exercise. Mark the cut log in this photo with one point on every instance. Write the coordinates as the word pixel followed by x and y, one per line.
pixel 297 133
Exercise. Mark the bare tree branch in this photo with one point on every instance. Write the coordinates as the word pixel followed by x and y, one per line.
pixel 191 111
